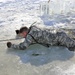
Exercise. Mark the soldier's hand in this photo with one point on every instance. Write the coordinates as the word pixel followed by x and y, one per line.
pixel 9 44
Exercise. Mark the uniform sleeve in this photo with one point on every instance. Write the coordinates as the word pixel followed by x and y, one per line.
pixel 23 45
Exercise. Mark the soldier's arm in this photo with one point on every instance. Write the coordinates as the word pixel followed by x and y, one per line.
pixel 23 45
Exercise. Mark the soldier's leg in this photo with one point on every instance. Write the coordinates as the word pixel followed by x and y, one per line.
pixel 66 41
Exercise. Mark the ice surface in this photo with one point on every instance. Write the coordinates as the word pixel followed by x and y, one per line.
pixel 53 60
pixel 50 61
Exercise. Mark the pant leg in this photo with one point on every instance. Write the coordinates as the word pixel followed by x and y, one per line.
pixel 64 40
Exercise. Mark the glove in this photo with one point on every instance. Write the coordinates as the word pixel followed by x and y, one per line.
pixel 9 44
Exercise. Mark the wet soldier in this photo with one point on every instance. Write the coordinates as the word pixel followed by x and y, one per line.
pixel 43 36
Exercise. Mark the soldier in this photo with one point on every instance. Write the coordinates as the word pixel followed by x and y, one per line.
pixel 43 36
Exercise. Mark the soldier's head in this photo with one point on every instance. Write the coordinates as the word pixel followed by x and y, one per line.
pixel 23 31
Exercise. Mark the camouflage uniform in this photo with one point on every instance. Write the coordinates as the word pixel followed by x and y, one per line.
pixel 46 37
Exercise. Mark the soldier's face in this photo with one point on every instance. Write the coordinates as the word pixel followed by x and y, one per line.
pixel 23 34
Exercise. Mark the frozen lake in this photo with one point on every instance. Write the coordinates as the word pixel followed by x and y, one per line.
pixel 37 59
pixel 50 61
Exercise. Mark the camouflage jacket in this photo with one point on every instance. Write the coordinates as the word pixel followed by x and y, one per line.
pixel 47 37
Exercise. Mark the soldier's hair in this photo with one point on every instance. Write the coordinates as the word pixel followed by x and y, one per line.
pixel 17 31
pixel 23 29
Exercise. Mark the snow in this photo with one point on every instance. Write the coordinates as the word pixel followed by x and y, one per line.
pixel 50 61
pixel 6 0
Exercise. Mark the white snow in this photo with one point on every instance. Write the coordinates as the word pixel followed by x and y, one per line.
pixel 4 1
pixel 50 61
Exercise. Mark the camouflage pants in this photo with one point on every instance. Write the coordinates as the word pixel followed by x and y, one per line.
pixel 64 40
